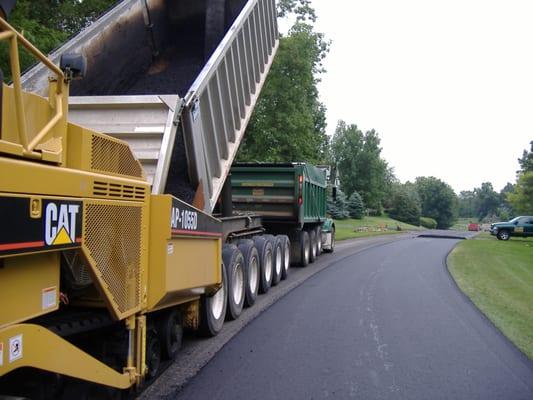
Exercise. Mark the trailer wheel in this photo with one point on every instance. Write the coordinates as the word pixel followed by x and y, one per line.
pixel 304 248
pixel 332 246
pixel 264 248
pixel 234 262
pixel 153 354
pixel 318 240
pixel 286 260
pixel 170 334
pixel 213 308
pixel 277 258
pixel 312 246
pixel 252 271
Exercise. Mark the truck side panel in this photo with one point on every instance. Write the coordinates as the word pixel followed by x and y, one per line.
pixel 283 193
pixel 268 192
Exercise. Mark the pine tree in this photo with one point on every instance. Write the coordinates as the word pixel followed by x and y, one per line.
pixel 336 207
pixel 356 208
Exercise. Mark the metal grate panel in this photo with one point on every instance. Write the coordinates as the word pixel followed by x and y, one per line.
pixel 113 156
pixel 118 191
pixel 112 236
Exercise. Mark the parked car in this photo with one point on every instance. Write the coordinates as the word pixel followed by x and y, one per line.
pixel 519 226
pixel 473 227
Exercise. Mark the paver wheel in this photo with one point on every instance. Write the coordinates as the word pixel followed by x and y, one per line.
pixel 170 333
pixel 213 308
pixel 153 354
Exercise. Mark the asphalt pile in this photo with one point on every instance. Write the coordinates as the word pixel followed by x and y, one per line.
pixel 172 71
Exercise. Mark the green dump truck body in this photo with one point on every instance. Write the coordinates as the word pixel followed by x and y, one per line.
pixel 289 194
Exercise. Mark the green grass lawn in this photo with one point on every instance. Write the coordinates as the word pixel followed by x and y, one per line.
pixel 369 226
pixel 498 278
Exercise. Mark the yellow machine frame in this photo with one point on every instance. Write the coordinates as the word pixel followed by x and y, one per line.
pixel 137 262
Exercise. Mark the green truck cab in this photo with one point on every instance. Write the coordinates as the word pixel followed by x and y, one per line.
pixel 519 226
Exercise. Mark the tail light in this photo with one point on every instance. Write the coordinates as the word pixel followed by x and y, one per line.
pixel 300 185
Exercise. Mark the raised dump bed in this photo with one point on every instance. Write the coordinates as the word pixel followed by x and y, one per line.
pixel 155 81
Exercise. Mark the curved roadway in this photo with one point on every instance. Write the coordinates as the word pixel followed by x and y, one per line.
pixel 385 323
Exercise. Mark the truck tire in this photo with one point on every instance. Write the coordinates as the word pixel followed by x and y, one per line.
pixel 277 258
pixel 286 260
pixel 503 234
pixel 234 262
pixel 305 249
pixel 153 354
pixel 319 240
pixel 213 309
pixel 264 248
pixel 251 271
pixel 170 333
pixel 313 246
pixel 332 247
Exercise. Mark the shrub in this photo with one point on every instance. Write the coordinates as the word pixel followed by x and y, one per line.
pixel 428 223
pixel 375 212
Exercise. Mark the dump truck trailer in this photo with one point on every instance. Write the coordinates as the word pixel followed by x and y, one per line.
pixel 109 247
pixel 291 199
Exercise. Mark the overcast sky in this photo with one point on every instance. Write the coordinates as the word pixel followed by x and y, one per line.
pixel 448 85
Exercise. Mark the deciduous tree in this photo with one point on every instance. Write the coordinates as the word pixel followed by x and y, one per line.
pixel 466 203
pixel 289 122
pixel 487 200
pixel 437 200
pixel 404 207
pixel 522 198
pixel 360 168
pixel 526 161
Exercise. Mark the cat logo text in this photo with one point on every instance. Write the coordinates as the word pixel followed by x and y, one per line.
pixel 61 223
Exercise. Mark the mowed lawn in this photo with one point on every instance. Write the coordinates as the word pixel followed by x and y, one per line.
pixel 498 278
pixel 369 226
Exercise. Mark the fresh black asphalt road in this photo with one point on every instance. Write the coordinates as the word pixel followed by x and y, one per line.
pixel 385 323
